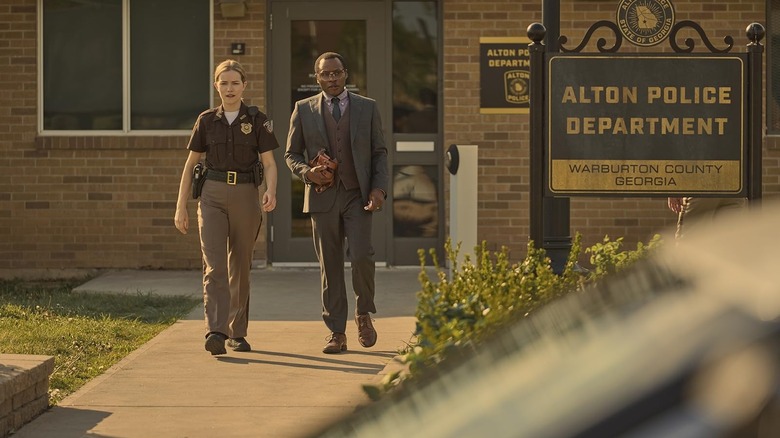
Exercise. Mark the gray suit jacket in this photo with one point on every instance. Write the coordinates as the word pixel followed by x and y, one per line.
pixel 307 136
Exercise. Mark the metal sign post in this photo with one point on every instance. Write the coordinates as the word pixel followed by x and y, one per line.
pixel 755 33
pixel 556 233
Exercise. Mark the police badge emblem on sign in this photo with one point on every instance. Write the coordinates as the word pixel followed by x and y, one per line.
pixel 246 128
pixel 645 22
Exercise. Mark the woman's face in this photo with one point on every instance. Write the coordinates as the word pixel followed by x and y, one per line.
pixel 230 88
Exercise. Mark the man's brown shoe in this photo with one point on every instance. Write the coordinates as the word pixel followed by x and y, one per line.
pixel 337 342
pixel 366 332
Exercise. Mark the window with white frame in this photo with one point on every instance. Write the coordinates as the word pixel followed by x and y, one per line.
pixel 124 65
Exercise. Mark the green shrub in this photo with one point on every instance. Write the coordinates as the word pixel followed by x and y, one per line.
pixel 607 258
pixel 480 296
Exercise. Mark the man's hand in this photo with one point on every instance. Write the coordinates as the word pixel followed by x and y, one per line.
pixel 375 200
pixel 319 175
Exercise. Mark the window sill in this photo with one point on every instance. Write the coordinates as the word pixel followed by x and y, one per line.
pixel 167 140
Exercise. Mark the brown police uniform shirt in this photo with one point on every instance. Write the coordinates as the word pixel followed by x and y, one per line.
pixel 232 147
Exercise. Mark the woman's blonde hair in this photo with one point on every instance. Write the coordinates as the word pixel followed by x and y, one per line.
pixel 228 65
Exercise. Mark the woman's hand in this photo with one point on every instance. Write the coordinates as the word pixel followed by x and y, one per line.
pixel 182 220
pixel 269 201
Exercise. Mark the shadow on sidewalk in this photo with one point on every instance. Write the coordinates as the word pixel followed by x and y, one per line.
pixel 342 365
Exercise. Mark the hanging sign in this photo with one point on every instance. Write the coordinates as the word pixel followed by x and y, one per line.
pixel 651 124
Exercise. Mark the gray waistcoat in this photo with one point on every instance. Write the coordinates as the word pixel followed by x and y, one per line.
pixel 341 148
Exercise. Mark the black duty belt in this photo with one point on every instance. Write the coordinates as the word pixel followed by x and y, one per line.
pixel 230 177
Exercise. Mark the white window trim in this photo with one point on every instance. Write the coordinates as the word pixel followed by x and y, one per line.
pixel 126 131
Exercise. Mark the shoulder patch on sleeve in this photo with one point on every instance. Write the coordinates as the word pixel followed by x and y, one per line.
pixel 269 126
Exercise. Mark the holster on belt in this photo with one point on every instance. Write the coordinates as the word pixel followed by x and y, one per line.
pixel 257 170
pixel 198 178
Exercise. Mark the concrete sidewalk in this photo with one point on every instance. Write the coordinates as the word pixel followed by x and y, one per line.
pixel 284 387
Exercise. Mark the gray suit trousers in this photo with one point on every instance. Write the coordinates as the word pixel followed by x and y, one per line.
pixel 346 219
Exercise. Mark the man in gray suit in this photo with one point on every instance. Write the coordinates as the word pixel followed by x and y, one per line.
pixel 348 127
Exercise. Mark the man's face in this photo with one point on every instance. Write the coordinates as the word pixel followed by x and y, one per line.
pixel 331 76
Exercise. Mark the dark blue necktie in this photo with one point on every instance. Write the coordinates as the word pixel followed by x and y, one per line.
pixel 336 108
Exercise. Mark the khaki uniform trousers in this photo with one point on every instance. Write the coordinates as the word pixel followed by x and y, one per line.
pixel 229 219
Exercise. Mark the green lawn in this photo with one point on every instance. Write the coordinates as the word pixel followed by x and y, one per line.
pixel 85 332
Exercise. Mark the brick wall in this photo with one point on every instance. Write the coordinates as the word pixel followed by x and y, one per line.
pixel 108 202
pixel 24 389
pixel 504 139
pixel 96 202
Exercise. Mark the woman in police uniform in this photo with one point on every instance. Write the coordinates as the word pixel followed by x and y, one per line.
pixel 235 139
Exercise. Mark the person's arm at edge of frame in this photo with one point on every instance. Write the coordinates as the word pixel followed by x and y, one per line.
pixel 182 218
pixel 270 174
pixel 379 171
pixel 675 204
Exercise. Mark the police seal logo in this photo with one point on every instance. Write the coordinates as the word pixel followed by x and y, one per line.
pixel 246 128
pixel 645 22
pixel 516 86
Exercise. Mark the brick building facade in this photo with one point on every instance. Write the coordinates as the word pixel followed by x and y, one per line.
pixel 87 201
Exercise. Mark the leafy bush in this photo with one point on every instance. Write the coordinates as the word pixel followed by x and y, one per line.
pixel 607 258
pixel 480 296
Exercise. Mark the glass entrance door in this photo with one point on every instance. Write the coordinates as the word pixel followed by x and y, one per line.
pixel 300 32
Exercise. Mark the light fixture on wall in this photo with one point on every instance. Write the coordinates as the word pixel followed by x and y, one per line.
pixel 232 8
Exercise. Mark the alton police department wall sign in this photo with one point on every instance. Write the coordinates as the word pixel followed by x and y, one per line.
pixel 504 75
pixel 646 125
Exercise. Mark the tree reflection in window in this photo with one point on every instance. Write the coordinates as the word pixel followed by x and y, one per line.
pixel 415 67
pixel 415 201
